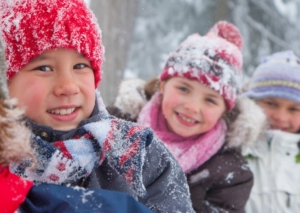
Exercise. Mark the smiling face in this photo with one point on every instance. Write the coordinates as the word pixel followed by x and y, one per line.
pixel 57 88
pixel 189 107
pixel 282 114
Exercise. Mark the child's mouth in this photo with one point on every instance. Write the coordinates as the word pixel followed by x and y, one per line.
pixel 186 121
pixel 62 111
pixel 64 114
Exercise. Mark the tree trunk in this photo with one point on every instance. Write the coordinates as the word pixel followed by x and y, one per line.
pixel 3 84
pixel 116 19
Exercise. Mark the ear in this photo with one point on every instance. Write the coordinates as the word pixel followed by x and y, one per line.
pixel 162 86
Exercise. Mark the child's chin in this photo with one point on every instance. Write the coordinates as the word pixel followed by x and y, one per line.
pixel 187 134
pixel 278 128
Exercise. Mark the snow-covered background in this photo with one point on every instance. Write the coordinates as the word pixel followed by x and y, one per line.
pixel 138 35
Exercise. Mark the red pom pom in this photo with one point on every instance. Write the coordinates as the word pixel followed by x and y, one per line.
pixel 229 32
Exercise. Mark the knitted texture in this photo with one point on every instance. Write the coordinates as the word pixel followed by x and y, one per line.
pixel 122 144
pixel 278 75
pixel 190 152
pixel 30 27
pixel 214 60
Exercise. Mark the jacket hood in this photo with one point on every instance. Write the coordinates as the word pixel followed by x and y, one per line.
pixel 15 141
pixel 246 122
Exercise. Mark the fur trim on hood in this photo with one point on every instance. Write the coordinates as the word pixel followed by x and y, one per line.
pixel 14 136
pixel 131 97
pixel 246 122
pixel 15 141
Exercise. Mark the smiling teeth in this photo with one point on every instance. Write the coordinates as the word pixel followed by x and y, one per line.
pixel 62 111
pixel 187 119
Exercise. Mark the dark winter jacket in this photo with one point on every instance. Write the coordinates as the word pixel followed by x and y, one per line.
pixel 223 183
pixel 20 194
pixel 50 198
pixel 165 183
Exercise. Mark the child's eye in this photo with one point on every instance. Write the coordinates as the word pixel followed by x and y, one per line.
pixel 43 68
pixel 269 103
pixel 294 110
pixel 210 100
pixel 183 89
pixel 80 66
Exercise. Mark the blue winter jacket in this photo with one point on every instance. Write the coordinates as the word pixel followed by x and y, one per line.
pixel 50 198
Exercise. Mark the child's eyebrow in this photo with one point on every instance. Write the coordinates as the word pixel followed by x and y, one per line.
pixel 212 95
pixel 185 83
pixel 81 56
pixel 39 58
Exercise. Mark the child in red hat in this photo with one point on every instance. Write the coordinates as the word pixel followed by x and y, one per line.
pixel 20 194
pixel 195 112
pixel 54 55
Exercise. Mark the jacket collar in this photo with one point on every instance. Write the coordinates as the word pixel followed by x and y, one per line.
pixel 49 134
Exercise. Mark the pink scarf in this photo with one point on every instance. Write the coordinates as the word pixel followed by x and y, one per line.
pixel 190 152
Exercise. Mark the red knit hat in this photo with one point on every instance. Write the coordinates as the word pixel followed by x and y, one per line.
pixel 214 60
pixel 30 27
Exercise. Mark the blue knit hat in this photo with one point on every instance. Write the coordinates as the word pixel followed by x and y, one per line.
pixel 277 76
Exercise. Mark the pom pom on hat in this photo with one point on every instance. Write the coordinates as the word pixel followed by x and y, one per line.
pixel 278 75
pixel 30 27
pixel 214 60
pixel 228 32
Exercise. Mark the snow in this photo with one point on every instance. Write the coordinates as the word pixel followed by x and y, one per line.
pixel 87 2
pixel 229 177
pixel 159 31
pixel 287 9
pixel 201 56
pixel 266 26
pixel 85 195
pixel 129 74
pixel 199 176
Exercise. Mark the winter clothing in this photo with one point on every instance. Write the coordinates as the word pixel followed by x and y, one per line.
pixel 65 199
pixel 118 155
pixel 20 194
pixel 62 24
pixel 13 190
pixel 190 152
pixel 214 60
pixel 276 167
pixel 278 75
pixel 223 181
pixel 12 131
pixel 274 160
pixel 103 152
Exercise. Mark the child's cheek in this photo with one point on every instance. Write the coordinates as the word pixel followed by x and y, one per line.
pixel 296 123
pixel 212 116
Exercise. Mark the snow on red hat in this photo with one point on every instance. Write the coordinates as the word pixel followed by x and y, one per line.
pixel 214 60
pixel 30 27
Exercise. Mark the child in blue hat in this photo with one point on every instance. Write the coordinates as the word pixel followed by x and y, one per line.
pixel 275 161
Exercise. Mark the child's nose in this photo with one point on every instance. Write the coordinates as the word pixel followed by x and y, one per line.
pixel 279 115
pixel 66 86
pixel 192 106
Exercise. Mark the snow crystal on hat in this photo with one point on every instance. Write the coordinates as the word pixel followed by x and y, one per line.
pixel 214 60
pixel 30 27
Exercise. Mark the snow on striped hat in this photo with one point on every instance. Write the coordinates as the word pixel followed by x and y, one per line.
pixel 30 27
pixel 214 60
pixel 278 75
